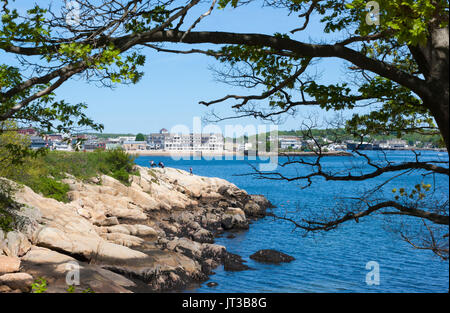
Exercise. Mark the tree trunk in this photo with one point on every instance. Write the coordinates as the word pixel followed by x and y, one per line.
pixel 433 61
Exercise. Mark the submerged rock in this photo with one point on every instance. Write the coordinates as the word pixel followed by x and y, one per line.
pixel 233 262
pixel 271 256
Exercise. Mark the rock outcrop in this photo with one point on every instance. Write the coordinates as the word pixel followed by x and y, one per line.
pixel 271 256
pixel 157 234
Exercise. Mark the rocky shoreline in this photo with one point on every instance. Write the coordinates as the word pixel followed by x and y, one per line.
pixel 155 235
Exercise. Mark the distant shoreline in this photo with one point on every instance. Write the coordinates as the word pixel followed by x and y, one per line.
pixel 229 153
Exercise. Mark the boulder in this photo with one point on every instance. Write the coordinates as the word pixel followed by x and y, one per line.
pixel 187 247
pixel 17 243
pixel 124 239
pixel 252 209
pixel 212 284
pixel 233 262
pixel 9 264
pixel 19 281
pixel 271 256
pixel 234 218
pixel 42 262
pixel 203 236
pixel 262 201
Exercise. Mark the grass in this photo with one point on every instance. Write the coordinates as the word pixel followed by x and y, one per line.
pixel 44 173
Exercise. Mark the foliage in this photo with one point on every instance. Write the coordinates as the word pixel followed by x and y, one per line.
pixel 72 289
pixel 39 285
pixel 7 219
pixel 44 173
pixel 140 137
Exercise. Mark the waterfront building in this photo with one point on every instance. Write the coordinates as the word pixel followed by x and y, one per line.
pixel 287 142
pixel 134 145
pixel 37 142
pixel 194 142
pixel 185 142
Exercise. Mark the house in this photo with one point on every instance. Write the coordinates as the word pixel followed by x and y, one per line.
pixel 134 145
pixel 156 141
pixel 290 142
pixel 361 146
pixel 126 138
pixel 94 145
pixel 61 146
pixel 28 131
pixel 112 146
pixel 38 142
pixel 397 143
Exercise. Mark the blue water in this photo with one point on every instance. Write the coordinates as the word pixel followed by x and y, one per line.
pixel 332 261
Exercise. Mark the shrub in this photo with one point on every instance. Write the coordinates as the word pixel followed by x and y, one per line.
pixel 7 219
pixel 44 173
pixel 52 188
pixel 121 175
pixel 39 285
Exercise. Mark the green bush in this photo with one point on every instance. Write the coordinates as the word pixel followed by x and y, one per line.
pixel 7 204
pixel 44 173
pixel 121 175
pixel 52 188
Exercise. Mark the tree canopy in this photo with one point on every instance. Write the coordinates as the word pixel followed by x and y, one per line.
pixel 396 52
pixel 140 137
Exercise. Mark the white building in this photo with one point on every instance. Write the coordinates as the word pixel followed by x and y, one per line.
pixel 193 142
pixel 287 142
pixel 62 146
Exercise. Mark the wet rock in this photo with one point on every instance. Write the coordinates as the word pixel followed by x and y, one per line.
pixel 203 236
pixel 262 201
pixel 234 218
pixel 233 262
pixel 271 256
pixel 212 284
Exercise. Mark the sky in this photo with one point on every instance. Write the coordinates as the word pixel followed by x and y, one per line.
pixel 172 86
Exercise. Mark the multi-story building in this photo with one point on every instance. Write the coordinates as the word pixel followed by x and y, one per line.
pixel 37 142
pixel 156 141
pixel 287 142
pixel 30 131
pixel 185 142
pixel 94 145
pixel 135 145
pixel 194 142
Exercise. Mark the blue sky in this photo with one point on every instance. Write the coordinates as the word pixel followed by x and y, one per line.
pixel 172 86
